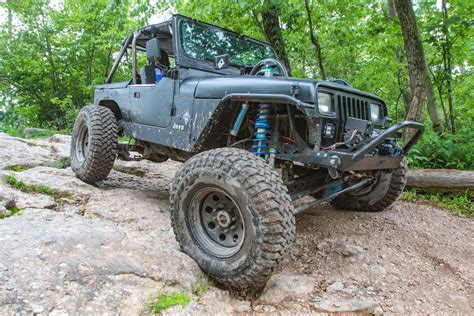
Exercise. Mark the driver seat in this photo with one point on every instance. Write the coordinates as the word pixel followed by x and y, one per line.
pixel 152 73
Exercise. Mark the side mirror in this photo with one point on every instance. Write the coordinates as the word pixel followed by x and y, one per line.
pixel 153 52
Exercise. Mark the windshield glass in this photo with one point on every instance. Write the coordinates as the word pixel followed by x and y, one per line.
pixel 205 43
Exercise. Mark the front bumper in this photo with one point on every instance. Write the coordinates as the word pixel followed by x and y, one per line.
pixel 361 158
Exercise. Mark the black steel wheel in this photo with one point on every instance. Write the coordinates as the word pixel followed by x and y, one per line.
pixel 232 214
pixel 82 142
pixel 377 196
pixel 220 227
pixel 93 143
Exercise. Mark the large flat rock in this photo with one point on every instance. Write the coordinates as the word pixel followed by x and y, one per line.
pixel 132 208
pixel 60 180
pixel 68 263
pixel 16 151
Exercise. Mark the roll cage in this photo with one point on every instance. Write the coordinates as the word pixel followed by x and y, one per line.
pixel 169 35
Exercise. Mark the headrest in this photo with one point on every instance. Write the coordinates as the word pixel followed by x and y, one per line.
pixel 153 52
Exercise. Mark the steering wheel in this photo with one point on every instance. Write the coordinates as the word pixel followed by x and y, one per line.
pixel 267 63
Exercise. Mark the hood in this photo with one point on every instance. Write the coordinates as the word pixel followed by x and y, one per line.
pixel 219 86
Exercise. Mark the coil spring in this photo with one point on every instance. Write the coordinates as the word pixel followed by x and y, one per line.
pixel 262 131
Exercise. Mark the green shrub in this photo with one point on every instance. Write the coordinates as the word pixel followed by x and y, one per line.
pixel 68 115
pixel 444 151
pixel 19 131
pixel 166 300
pixel 61 163
pixel 14 131
pixel 14 211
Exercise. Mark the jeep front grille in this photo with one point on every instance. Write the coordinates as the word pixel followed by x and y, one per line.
pixel 353 107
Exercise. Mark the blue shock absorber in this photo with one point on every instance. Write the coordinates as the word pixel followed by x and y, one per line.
pixel 262 131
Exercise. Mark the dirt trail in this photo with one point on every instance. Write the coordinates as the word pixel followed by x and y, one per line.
pixel 411 258
pixel 108 248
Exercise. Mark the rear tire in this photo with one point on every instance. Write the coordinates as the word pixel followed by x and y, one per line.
pixel 232 214
pixel 93 143
pixel 388 187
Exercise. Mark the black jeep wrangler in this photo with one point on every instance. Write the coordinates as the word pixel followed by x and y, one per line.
pixel 252 138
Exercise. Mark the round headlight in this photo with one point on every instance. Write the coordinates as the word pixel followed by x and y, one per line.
pixel 325 104
pixel 376 112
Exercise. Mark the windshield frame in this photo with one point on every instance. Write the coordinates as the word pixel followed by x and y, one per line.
pixel 185 60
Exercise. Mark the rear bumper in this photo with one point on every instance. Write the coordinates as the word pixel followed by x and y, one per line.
pixel 360 159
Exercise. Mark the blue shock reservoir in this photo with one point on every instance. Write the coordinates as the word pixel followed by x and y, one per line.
pixel 238 122
pixel 390 148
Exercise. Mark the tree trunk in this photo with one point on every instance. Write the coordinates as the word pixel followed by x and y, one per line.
pixel 439 87
pixel 422 92
pixel 447 65
pixel 315 41
pixel 391 11
pixel 441 179
pixel 272 31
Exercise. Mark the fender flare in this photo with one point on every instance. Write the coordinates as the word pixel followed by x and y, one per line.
pixel 213 121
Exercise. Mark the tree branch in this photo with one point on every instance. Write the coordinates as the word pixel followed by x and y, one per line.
pixel 315 41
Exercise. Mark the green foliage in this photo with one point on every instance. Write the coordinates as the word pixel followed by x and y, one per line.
pixel 24 187
pixel 18 168
pixel 459 204
pixel 40 134
pixel 444 151
pixel 13 211
pixel 59 197
pixel 13 131
pixel 44 189
pixel 69 111
pixel 51 56
pixel 20 132
pixel 61 163
pixel 17 184
pixel 201 286
pixel 126 140
pixel 166 300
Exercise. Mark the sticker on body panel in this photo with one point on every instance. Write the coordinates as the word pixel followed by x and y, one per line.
pixel 178 127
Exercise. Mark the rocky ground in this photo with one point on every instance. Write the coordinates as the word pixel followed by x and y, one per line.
pixel 108 249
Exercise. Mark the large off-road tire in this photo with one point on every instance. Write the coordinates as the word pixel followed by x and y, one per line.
pixel 388 186
pixel 93 144
pixel 231 213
